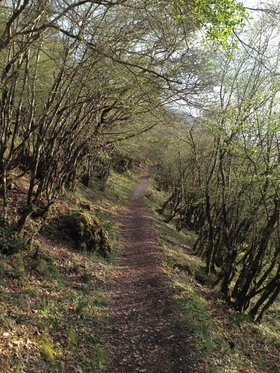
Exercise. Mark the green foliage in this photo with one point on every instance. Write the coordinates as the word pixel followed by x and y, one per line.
pixel 203 277
pixel 72 336
pixel 198 320
pixel 100 358
pixel 218 17
pixel 13 267
pixel 45 306
pixel 240 319
pixel 180 264
pixel 11 241
pixel 214 368
pixel 48 347
pixel 81 306
pixel 225 184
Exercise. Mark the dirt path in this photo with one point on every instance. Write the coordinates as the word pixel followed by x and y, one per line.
pixel 144 335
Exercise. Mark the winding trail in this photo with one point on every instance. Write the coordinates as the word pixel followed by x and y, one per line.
pixel 145 334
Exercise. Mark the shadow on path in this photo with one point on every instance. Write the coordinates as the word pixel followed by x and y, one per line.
pixel 144 334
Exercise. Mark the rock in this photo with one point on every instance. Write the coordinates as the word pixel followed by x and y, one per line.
pixel 88 234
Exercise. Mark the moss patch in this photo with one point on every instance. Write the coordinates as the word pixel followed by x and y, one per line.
pixel 87 233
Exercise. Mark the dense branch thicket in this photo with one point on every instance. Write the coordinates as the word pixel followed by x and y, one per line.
pixel 77 77
pixel 226 182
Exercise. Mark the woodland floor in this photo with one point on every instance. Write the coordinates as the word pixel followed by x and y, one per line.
pixel 145 333
pixel 147 308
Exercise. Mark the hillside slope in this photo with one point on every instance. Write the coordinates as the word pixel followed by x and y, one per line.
pixel 66 310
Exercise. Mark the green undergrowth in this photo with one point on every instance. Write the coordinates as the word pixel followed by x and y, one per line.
pixel 53 306
pixel 107 202
pixel 11 242
pixel 221 340
pixel 87 232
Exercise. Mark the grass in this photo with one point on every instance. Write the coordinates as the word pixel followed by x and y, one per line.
pixel 196 308
pixel 49 349
pixel 100 358
pixel 53 306
pixel 221 340
pixel 108 203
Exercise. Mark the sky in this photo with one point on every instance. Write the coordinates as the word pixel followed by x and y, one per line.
pixel 250 3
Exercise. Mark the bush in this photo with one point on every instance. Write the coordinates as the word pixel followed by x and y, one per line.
pixel 13 267
pixel 204 278
pixel 88 233
pixel 43 264
pixel 11 241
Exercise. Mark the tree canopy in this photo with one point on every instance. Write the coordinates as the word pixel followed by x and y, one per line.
pixel 78 79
